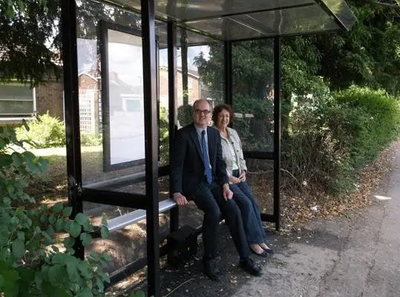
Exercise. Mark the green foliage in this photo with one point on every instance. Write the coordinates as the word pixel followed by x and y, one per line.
pixel 35 259
pixel 26 30
pixel 164 137
pixel 252 63
pixel 185 115
pixel 255 131
pixel 358 56
pixel 91 139
pixel 44 132
pixel 375 124
pixel 332 139
pixel 138 294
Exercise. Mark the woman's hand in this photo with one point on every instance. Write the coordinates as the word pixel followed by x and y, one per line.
pixel 234 180
pixel 242 176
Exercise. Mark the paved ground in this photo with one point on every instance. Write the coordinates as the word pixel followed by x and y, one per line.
pixel 354 256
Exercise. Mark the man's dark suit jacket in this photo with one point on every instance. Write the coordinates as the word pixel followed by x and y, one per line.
pixel 187 168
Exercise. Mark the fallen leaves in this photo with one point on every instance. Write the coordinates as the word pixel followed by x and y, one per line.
pixel 299 207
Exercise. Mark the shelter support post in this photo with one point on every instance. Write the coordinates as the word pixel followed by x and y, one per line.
pixel 172 64
pixel 71 103
pixel 228 72
pixel 151 146
pixel 277 129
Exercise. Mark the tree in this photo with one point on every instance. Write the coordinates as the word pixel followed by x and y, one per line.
pixel 368 55
pixel 29 41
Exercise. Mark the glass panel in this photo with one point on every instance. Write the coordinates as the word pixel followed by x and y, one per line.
pixel 226 29
pixel 188 10
pixel 129 243
pixel 195 80
pixel 292 21
pixel 125 90
pixel 241 19
pixel 264 24
pixel 123 103
pixel 260 177
pixel 253 93
pixel 191 38
pixel 342 11
pixel 163 101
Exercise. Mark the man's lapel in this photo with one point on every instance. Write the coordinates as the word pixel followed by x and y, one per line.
pixel 195 138
pixel 211 146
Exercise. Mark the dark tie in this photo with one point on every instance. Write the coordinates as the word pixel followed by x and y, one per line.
pixel 206 160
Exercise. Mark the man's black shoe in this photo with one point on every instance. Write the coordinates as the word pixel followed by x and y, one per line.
pixel 211 270
pixel 250 267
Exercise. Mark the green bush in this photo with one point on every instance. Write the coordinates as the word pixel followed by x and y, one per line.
pixel 164 137
pixel 44 132
pixel 312 153
pixel 255 130
pixel 91 139
pixel 376 125
pixel 332 139
pixel 35 260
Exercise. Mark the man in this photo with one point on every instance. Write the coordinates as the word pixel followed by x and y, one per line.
pixel 198 173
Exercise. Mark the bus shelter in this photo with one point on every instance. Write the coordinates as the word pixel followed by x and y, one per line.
pixel 128 78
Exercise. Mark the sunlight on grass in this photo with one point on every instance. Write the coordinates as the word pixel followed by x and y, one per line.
pixel 62 151
pixel 52 184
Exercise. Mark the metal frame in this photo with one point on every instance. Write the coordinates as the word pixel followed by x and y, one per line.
pixel 71 97
pixel 100 191
pixel 151 146
pixel 105 95
pixel 228 72
pixel 172 68
pixel 275 155
pixel 277 130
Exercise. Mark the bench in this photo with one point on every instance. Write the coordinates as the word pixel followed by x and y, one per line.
pixel 137 215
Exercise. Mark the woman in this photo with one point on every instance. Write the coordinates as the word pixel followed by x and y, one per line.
pixel 232 153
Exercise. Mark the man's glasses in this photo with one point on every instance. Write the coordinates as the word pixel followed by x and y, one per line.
pixel 205 111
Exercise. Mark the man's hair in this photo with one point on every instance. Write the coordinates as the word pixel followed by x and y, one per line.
pixel 218 109
pixel 198 101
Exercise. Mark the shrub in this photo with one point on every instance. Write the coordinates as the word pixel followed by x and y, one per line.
pixel 255 123
pixel 44 132
pixel 164 137
pixel 91 139
pixel 312 153
pixel 376 125
pixel 332 139
pixel 33 260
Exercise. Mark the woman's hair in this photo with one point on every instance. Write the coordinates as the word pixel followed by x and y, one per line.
pixel 220 107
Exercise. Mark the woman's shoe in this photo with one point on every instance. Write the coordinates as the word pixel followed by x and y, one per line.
pixel 263 253
pixel 266 249
pixel 269 251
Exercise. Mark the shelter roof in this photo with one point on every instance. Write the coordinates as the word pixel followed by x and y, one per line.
pixel 250 19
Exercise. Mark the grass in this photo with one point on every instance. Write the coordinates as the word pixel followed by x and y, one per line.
pixel 52 185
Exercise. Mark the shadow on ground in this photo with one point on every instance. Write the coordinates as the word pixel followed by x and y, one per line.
pixel 188 279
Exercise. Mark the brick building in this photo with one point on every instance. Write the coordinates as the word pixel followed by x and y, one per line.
pixel 19 101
